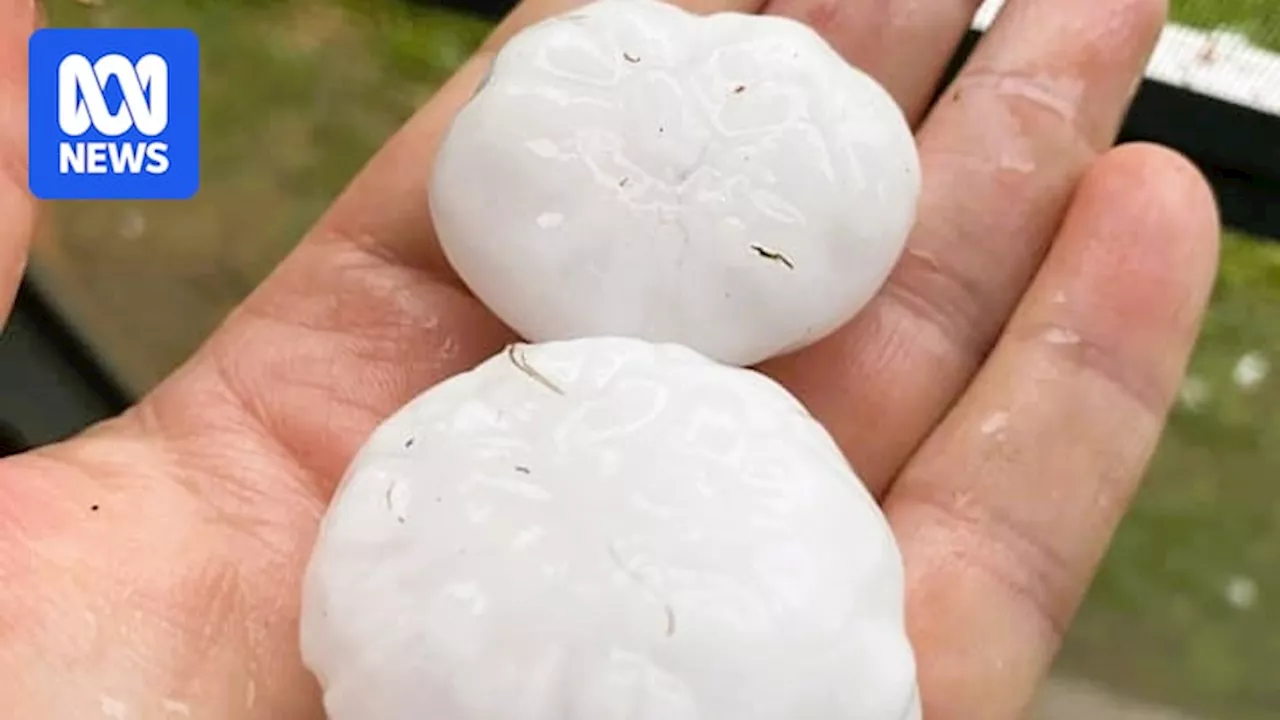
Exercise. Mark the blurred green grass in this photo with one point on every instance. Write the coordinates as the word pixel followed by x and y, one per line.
pixel 1186 609
pixel 298 94
pixel 1259 19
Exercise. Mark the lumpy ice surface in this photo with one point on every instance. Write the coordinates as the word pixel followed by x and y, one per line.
pixel 606 529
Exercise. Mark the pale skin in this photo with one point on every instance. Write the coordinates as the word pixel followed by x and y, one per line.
pixel 1002 395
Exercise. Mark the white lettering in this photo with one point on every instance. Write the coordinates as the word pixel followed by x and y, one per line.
pixel 97 158
pixel 126 157
pixel 156 153
pixel 119 158
pixel 71 158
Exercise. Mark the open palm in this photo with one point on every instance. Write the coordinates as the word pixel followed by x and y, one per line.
pixel 1002 394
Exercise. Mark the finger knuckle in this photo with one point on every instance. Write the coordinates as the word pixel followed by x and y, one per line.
pixel 1026 572
pixel 943 298
pixel 1079 352
pixel 1141 19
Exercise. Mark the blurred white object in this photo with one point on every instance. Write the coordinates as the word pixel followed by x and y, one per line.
pixel 1242 592
pixel 1219 63
pixel 726 182
pixel 1251 369
pixel 606 529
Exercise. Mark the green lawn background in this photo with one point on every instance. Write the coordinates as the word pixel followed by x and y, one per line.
pixel 1186 610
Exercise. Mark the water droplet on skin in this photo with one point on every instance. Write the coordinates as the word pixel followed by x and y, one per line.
pixel 113 708
pixel 1017 163
pixel 449 348
pixel 994 423
pixel 1061 336
pixel 927 259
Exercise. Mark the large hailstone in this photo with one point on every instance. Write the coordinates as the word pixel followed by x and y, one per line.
pixel 606 529
pixel 726 182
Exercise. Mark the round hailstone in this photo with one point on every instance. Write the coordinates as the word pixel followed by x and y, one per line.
pixel 726 182
pixel 606 529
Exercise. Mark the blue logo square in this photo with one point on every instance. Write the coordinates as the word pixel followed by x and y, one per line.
pixel 114 114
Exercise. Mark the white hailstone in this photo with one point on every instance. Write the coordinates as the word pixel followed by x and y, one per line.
pixel 606 529
pixel 726 182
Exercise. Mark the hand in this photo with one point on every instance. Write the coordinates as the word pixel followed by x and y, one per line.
pixel 1002 394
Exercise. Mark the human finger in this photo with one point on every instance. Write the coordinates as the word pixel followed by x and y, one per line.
pixel 1001 156
pixel 17 207
pixel 905 45
pixel 1008 507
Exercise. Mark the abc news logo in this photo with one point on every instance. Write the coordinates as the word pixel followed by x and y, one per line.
pixel 144 108
pixel 113 113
